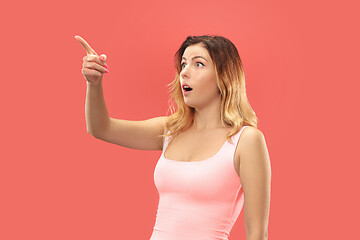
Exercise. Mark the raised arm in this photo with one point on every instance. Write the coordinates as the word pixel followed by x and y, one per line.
pixel 143 135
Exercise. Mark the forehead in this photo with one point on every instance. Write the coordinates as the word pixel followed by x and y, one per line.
pixel 196 50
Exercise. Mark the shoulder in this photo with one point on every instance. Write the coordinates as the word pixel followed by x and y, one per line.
pixel 251 140
pixel 251 134
pixel 251 143
pixel 248 136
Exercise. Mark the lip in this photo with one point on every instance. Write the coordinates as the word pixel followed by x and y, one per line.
pixel 187 92
pixel 185 84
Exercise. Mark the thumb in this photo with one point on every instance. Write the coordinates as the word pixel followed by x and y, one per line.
pixel 103 57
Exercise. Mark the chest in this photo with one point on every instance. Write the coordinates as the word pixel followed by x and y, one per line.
pixel 189 147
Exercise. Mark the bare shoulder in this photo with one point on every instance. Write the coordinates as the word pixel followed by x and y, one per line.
pixel 251 140
pixel 253 153
pixel 250 133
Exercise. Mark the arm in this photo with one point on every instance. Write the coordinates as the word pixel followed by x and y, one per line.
pixel 142 135
pixel 255 177
pixel 145 135
pixel 96 113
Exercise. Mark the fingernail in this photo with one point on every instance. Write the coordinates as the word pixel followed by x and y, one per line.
pixel 102 57
pixel 106 70
pixel 106 65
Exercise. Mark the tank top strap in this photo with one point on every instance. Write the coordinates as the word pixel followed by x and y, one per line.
pixel 236 137
pixel 230 148
pixel 166 142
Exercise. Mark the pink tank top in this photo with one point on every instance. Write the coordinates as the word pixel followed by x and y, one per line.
pixel 198 200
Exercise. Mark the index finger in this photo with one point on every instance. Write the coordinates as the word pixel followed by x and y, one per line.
pixel 86 46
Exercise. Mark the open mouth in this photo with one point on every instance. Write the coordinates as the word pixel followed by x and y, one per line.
pixel 187 89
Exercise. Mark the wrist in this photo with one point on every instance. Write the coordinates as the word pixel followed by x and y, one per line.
pixel 97 84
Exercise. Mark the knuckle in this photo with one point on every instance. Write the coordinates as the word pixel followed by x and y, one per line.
pixel 93 65
pixel 87 64
pixel 97 59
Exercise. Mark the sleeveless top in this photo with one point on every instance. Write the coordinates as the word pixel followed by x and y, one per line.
pixel 198 200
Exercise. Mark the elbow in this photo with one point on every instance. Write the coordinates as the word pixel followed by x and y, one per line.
pixel 92 134
pixel 89 132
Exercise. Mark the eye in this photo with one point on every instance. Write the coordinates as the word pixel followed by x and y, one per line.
pixel 182 65
pixel 201 63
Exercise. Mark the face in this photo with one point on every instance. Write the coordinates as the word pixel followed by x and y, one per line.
pixel 199 74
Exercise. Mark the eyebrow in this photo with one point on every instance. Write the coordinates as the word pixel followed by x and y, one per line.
pixel 195 57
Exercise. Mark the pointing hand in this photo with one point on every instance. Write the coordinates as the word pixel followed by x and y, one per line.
pixel 94 66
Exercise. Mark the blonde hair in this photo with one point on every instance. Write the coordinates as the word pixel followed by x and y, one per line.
pixel 236 111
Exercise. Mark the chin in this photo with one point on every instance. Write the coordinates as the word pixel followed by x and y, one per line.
pixel 189 105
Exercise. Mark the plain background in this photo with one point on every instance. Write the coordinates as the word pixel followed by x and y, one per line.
pixel 58 182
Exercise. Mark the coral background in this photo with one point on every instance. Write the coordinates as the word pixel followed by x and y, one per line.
pixel 58 182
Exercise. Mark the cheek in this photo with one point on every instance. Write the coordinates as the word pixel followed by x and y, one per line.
pixel 208 76
pixel 211 80
pixel 208 86
pixel 206 80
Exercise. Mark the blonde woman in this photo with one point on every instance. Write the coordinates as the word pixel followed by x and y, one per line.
pixel 214 159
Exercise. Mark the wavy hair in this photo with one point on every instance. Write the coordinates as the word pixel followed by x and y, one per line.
pixel 236 111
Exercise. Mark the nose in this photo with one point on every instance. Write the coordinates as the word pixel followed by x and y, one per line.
pixel 184 72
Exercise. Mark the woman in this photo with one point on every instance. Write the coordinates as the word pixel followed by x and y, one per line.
pixel 206 172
